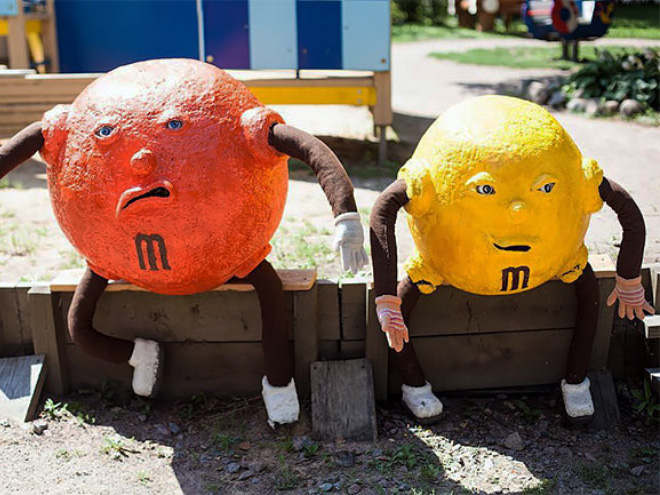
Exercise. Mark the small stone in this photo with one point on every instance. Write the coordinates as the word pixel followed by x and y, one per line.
pixel 174 429
pixel 514 442
pixel 637 471
pixel 577 105
pixel 353 489
pixel 565 451
pixel 5 423
pixel 590 457
pixel 245 475
pixel 163 430
pixel 326 487
pixel 256 467
pixel 488 412
pixel 592 107
pixel 38 427
pixel 610 107
pixel 557 99
pixel 538 92
pixel 346 459
pixel 142 418
pixel 630 108
pixel 233 467
pixel 244 445
pixel 300 442
pixel 377 452
pixel 384 483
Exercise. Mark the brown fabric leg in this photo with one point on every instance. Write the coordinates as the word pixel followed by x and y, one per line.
pixel 406 360
pixel 586 322
pixel 275 324
pixel 81 318
pixel 20 148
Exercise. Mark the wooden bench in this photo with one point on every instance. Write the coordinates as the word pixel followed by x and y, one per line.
pixel 212 340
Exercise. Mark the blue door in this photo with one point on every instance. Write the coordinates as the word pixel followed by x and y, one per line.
pixel 226 33
pixel 319 34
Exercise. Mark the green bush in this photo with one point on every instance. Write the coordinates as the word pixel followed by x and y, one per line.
pixel 428 12
pixel 619 77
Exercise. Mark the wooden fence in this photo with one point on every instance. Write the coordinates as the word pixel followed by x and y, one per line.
pixel 213 340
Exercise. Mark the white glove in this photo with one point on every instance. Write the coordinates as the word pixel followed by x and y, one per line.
pixel 349 238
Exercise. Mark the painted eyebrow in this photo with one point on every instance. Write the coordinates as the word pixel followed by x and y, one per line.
pixel 480 177
pixel 543 179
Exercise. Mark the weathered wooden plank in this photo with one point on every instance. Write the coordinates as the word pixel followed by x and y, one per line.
pixel 306 336
pixel 376 349
pixel 218 316
pixel 343 404
pixel 352 349
pixel 606 406
pixel 292 280
pixel 601 349
pixel 48 337
pixel 23 304
pixel 465 362
pixel 329 350
pixel 21 381
pixel 221 370
pixel 10 324
pixel 328 307
pixel 353 310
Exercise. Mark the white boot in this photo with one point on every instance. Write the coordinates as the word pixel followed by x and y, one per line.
pixel 147 361
pixel 577 399
pixel 281 402
pixel 422 403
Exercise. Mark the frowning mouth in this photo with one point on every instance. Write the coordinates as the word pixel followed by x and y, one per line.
pixel 516 247
pixel 160 190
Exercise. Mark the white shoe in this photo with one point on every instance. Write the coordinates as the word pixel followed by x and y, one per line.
pixel 422 403
pixel 577 399
pixel 281 402
pixel 147 361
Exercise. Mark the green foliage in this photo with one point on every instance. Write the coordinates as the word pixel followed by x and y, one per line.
pixel 545 487
pixel 596 476
pixel 646 402
pixel 530 415
pixel 403 455
pixel 429 12
pixel 620 76
pixel 55 410
pixel 115 448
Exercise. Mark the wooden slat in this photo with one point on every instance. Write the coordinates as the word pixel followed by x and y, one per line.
pixel 469 362
pixel 328 310
pixel 606 407
pixel 353 310
pixel 602 340
pixel 21 381
pixel 352 349
pixel 15 314
pixel 208 317
pixel 343 404
pixel 292 280
pixel 306 336
pixel 221 370
pixel 376 349
pixel 47 335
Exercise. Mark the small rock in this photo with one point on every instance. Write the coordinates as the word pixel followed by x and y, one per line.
pixel 637 471
pixel 577 105
pixel 38 427
pixel 538 92
pixel 256 467
pixel 377 452
pixel 514 442
pixel 610 107
pixel 592 107
pixel 565 451
pixel 384 483
pixel 590 457
pixel 142 418
pixel 233 467
pixel 488 412
pixel 225 460
pixel 174 429
pixel 353 489
pixel 300 442
pixel 163 430
pixel 557 99
pixel 205 459
pixel 5 423
pixel 245 475
pixel 630 108
pixel 244 445
pixel 346 459
pixel 326 487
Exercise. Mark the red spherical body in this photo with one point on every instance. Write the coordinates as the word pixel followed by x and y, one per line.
pixel 161 174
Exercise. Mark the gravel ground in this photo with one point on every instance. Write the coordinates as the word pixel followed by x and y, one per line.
pixel 113 444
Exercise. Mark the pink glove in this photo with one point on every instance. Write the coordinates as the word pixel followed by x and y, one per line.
pixel 630 294
pixel 388 309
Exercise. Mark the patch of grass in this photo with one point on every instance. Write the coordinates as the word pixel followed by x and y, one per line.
pixel 5 183
pixel 143 477
pixel 450 30
pixel 636 21
pixel 54 410
pixel 594 475
pixel 286 478
pixel 303 246
pixel 310 449
pixel 115 448
pixel 545 487
pixel 530 415
pixel 430 472
pixel 224 442
pixel 70 260
pixel 527 57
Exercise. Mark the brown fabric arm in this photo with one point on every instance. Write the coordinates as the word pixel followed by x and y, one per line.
pixel 20 148
pixel 383 237
pixel 631 252
pixel 326 166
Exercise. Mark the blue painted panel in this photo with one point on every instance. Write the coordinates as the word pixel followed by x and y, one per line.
pixel 366 35
pixel 226 33
pixel 8 7
pixel 99 35
pixel 273 38
pixel 319 34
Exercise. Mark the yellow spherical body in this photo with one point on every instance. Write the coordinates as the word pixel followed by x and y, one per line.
pixel 500 199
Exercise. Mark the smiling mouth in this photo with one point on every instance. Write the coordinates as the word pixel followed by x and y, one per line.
pixel 161 190
pixel 516 247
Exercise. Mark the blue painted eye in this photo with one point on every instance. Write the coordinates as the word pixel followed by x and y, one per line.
pixel 485 189
pixel 546 188
pixel 174 125
pixel 105 131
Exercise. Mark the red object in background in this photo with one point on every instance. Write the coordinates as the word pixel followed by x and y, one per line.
pixel 564 16
pixel 160 174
